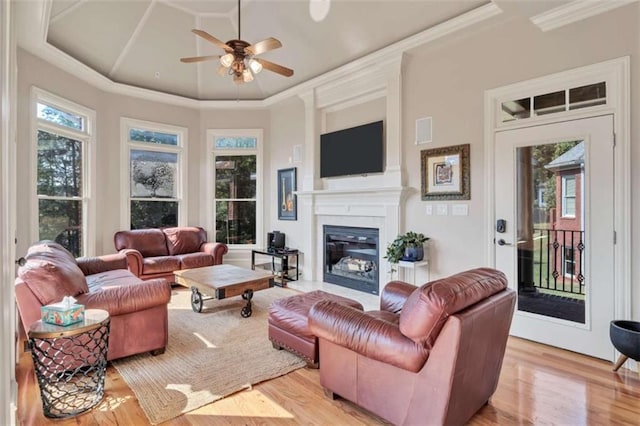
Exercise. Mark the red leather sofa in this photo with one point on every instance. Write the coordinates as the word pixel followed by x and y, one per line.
pixel 138 309
pixel 156 253
pixel 430 356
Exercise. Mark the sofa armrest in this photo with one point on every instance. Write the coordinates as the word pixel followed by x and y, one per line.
pixel 130 298
pixel 366 335
pixel 217 250
pixel 134 261
pixel 95 265
pixel 394 294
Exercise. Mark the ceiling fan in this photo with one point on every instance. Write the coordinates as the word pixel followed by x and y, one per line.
pixel 240 57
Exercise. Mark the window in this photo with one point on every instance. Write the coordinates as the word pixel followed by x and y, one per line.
pixel 587 96
pixel 568 261
pixel 63 137
pixel 568 196
pixel 236 187
pixel 153 156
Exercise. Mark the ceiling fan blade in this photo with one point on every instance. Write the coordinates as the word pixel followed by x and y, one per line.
pixel 263 46
pixel 205 35
pixel 199 58
pixel 287 72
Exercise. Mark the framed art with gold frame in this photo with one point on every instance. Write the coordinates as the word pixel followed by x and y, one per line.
pixel 445 173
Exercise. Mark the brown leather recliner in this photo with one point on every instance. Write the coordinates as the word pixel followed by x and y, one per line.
pixel 430 356
pixel 138 309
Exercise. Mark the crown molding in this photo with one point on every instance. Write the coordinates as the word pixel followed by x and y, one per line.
pixel 35 43
pixel 575 11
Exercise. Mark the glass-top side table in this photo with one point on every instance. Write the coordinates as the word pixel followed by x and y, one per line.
pixel 70 363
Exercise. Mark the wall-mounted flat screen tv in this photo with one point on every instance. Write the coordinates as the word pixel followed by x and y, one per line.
pixel 355 151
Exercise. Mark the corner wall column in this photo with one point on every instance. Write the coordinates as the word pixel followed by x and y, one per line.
pixel 394 170
pixel 310 182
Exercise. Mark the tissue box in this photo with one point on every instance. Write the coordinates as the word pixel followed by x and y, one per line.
pixel 61 314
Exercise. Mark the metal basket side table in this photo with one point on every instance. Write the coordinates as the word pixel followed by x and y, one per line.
pixel 70 363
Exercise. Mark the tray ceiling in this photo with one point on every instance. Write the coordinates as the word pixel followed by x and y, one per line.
pixel 139 42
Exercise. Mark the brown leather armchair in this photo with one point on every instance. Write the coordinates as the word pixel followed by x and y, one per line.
pixel 431 355
pixel 138 309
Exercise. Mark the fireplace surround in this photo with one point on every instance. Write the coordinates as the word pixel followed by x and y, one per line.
pixel 351 257
pixel 378 208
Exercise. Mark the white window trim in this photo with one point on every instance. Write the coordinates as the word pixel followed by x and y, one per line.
pixel 563 196
pixel 127 124
pixel 88 139
pixel 209 209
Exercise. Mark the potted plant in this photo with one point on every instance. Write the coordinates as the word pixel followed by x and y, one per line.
pixel 409 246
pixel 413 246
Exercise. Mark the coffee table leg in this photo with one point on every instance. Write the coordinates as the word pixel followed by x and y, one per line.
pixel 196 300
pixel 246 310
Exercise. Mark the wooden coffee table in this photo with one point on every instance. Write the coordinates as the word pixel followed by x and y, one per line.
pixel 222 281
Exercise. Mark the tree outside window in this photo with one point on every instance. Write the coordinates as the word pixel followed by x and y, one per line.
pixel 154 163
pixel 61 137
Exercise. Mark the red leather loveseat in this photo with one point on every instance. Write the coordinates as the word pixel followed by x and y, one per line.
pixel 157 252
pixel 138 309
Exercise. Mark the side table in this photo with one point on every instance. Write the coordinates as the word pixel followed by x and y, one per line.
pixel 405 265
pixel 285 271
pixel 70 363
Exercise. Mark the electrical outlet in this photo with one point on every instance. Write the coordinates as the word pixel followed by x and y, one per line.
pixel 442 209
pixel 429 209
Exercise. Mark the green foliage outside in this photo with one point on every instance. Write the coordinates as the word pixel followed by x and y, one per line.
pixel 60 175
pixel 543 155
pixel 235 192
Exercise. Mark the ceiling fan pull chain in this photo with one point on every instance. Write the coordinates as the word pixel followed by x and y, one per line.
pixel 239 38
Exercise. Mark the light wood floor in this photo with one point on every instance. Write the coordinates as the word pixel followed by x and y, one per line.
pixel 539 385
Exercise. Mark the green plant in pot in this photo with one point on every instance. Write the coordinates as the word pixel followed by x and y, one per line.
pixel 409 246
pixel 413 246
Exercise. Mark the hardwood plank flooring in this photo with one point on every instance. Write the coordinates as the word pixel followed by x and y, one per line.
pixel 539 385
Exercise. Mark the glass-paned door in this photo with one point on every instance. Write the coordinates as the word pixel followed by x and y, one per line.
pixel 555 186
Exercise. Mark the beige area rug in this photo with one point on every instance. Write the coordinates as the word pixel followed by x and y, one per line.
pixel 210 355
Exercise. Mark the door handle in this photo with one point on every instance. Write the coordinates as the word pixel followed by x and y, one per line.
pixel 21 262
pixel 502 242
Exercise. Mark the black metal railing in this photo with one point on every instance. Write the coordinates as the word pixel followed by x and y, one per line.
pixel 558 260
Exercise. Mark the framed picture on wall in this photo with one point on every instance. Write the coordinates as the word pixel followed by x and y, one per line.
pixel 445 173
pixel 287 201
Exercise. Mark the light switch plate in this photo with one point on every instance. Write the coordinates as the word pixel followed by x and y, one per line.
pixel 460 210
pixel 429 209
pixel 442 209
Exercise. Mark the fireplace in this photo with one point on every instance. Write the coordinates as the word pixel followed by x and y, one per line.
pixel 351 257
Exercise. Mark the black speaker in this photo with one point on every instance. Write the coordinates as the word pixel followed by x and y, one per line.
pixel 278 240
pixel 269 240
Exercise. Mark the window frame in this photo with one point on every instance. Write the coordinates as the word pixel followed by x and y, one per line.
pixel 564 196
pixel 87 138
pixel 126 124
pixel 209 210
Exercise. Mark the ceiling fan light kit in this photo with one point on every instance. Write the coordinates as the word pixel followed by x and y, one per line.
pixel 239 59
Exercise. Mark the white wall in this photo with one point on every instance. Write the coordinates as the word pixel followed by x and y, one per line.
pixel 447 81
pixel 356 115
pixel 287 130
